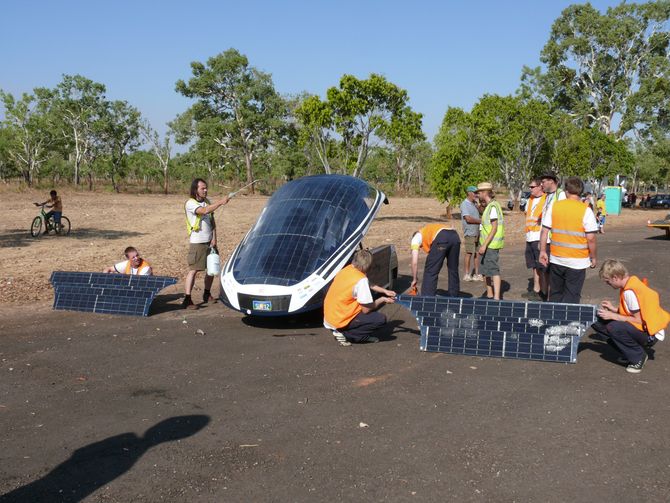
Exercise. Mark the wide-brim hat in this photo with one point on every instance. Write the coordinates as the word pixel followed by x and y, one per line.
pixel 484 186
pixel 550 176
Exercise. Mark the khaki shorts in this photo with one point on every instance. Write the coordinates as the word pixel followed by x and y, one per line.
pixel 470 244
pixel 197 256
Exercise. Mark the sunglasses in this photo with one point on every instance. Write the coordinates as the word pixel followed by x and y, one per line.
pixel 533 186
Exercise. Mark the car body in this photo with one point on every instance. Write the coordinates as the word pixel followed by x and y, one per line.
pixel 307 232
pixel 659 201
pixel 522 202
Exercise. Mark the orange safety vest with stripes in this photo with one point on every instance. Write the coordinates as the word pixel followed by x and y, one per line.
pixel 129 267
pixel 340 306
pixel 534 214
pixel 654 317
pixel 568 236
pixel 429 233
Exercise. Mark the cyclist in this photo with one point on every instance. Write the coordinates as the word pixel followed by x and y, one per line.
pixel 56 204
pixel 134 265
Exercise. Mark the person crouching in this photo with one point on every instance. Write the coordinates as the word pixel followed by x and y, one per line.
pixel 349 309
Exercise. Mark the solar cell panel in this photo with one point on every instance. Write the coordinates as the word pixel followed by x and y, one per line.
pixel 504 329
pixel 106 293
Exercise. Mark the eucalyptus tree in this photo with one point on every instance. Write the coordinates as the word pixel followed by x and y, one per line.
pixel 610 70
pixel 405 137
pixel 161 148
pixel 237 103
pixel 361 109
pixel 78 104
pixel 28 135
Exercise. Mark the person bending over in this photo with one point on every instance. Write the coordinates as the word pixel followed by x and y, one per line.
pixel 349 309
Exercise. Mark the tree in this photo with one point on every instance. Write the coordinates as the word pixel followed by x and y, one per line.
pixel 237 103
pixel 316 122
pixel 608 70
pixel 28 135
pixel 162 149
pixel 78 104
pixel 119 133
pixel 361 109
pixel 403 133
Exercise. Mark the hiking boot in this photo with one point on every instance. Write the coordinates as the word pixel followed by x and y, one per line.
pixel 207 297
pixel 339 337
pixel 636 368
pixel 467 277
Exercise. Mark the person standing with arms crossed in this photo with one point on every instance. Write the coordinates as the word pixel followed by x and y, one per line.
pixel 491 240
pixel 533 229
pixel 471 218
pixel 573 229
pixel 202 236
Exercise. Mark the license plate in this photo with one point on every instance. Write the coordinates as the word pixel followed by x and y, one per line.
pixel 261 305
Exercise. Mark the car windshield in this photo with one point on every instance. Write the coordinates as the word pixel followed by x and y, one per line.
pixel 303 224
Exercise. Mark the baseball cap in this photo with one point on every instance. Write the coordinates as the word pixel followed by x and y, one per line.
pixel 471 188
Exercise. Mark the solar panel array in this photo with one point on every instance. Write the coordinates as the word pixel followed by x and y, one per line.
pixel 542 331
pixel 96 292
pixel 303 224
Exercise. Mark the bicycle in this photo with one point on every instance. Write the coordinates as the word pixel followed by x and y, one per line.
pixel 49 224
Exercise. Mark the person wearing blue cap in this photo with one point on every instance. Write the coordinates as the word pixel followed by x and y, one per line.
pixel 471 218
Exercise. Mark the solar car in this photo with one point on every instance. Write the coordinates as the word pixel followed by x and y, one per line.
pixel 306 233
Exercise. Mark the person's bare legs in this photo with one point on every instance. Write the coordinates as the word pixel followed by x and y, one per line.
pixel 497 282
pixel 466 271
pixel 537 288
pixel 489 287
pixel 189 282
pixel 477 263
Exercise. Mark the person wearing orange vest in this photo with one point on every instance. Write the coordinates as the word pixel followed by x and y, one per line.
pixel 440 242
pixel 133 265
pixel 534 208
pixel 573 230
pixel 639 321
pixel 349 309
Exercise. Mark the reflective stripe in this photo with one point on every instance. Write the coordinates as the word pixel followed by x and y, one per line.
pixel 569 245
pixel 569 233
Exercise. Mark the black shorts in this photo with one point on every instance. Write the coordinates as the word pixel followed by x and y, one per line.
pixel 533 256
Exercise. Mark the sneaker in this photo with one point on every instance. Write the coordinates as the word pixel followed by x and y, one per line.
pixel 372 339
pixel 477 277
pixel 636 368
pixel 467 277
pixel 339 337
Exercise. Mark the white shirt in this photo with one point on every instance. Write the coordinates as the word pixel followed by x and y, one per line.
pixel 121 268
pixel 361 292
pixel 204 235
pixel 590 225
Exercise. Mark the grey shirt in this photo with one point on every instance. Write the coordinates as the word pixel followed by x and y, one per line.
pixel 469 208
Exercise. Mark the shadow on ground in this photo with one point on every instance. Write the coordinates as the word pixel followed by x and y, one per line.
pixel 166 303
pixel 21 237
pixel 97 464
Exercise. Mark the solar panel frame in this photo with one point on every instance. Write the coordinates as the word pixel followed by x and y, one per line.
pixel 106 293
pixel 540 331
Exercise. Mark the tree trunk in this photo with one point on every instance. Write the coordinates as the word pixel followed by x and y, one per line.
pixel 250 174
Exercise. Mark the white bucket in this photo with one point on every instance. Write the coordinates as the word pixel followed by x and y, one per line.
pixel 213 263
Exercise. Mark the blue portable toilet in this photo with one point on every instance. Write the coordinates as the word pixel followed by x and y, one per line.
pixel 613 200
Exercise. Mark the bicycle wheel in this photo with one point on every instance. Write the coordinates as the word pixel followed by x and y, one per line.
pixel 36 227
pixel 64 228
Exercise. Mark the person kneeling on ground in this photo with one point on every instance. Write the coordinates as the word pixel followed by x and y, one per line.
pixel 133 265
pixel 349 309
pixel 638 322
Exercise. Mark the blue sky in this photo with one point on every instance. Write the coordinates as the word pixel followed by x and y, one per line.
pixel 444 53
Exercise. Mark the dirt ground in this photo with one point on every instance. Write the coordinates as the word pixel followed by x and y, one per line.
pixel 213 406
pixel 103 224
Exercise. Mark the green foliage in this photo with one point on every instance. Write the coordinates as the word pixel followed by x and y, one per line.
pixel 611 70
pixel 236 108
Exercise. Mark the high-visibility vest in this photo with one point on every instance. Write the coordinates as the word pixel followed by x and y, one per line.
pixel 129 267
pixel 568 236
pixel 534 214
pixel 498 240
pixel 340 306
pixel 429 233
pixel 654 317
pixel 198 218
